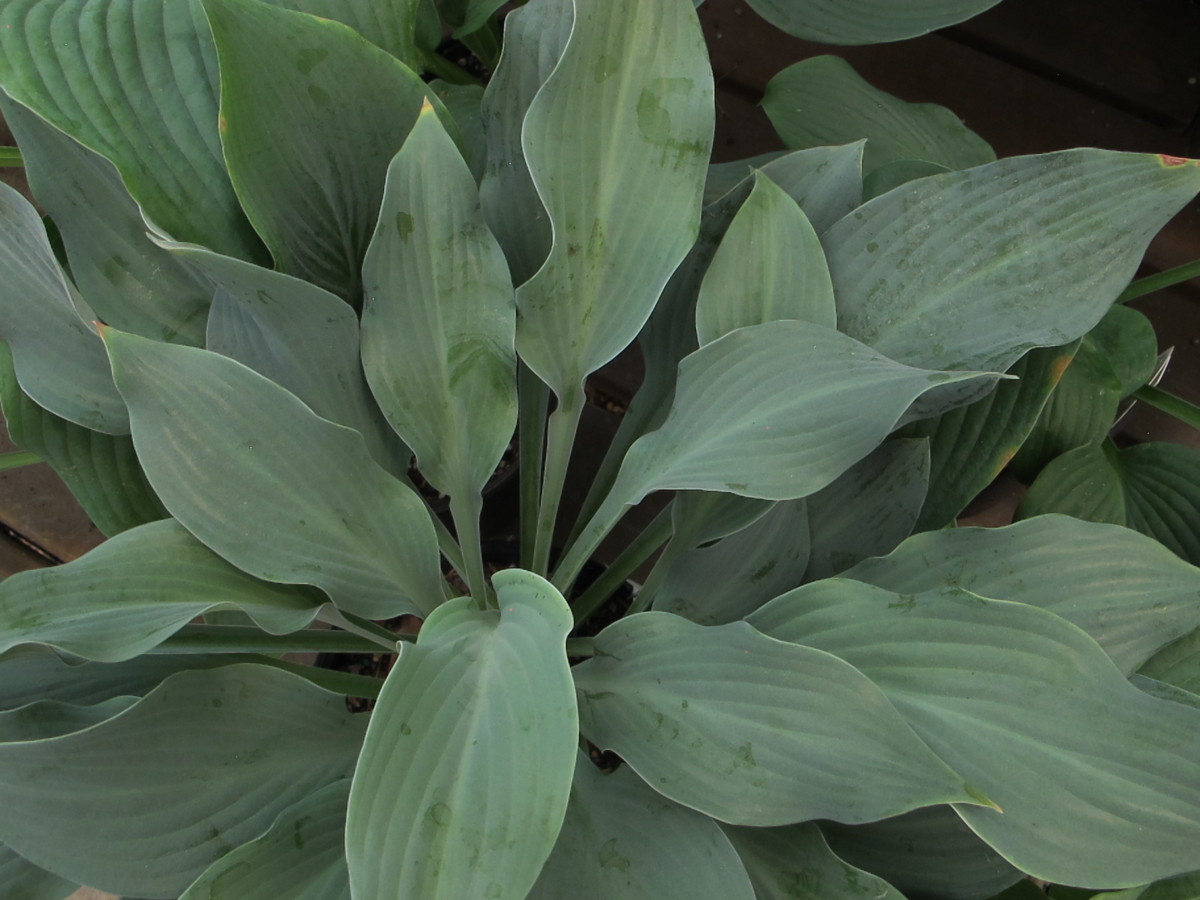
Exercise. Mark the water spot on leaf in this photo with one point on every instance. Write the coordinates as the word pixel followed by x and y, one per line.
pixel 438 814
pixel 906 603
pixel 745 753
pixel 654 121
pixel 309 58
pixel 763 571
pixel 404 225
pixel 319 96
pixel 405 729
pixel 610 858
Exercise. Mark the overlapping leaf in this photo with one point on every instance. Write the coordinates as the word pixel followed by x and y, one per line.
pixel 312 90
pixel 21 878
pixel 622 841
pixel 971 269
pixel 141 803
pixel 464 777
pixel 302 856
pixel 135 81
pixel 865 21
pixel 124 597
pixel 270 486
pixel 1108 792
pixel 439 316
pixel 822 100
pixel 751 730
pixel 626 113
pixel 59 361
pixel 1129 593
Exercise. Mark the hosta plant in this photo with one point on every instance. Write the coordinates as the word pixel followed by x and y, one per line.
pixel 277 266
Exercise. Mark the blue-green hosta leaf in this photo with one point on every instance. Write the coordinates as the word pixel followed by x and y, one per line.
pixel 970 445
pixel 44 719
pixel 141 803
pixel 464 777
pixel 392 25
pixel 869 509
pixel 1182 887
pixel 129 282
pixel 21 878
pixel 135 81
pixel 101 470
pixel 1178 663
pixel 928 852
pixel 132 591
pixel 700 517
pixel 439 316
pixel 534 38
pixel 1129 593
pixel 739 573
pixel 278 491
pixel 467 16
pixel 1150 487
pixel 1099 783
pixel 795 863
pixel 751 730
pixel 782 389
pixel 333 109
pixel 627 113
pixel 865 21
pixel 769 266
pixel 465 104
pixel 1126 338
pixel 302 856
pixel 59 361
pixel 621 840
pixel 724 177
pixel 301 337
pixel 822 101
pixel 892 175
pixel 971 269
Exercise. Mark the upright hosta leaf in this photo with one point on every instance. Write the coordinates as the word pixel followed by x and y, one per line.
pixel 59 361
pixel 724 177
pixel 465 104
pixel 333 109
pixel 302 856
pixel 132 591
pixel 135 81
pixel 621 840
pixel 279 492
pixel 463 780
pixel 101 470
pixel 439 316
pixel 701 517
pixel 868 509
pixel 769 266
pixel 21 878
pixel 929 853
pixel 1129 593
pixel 738 574
pixel 467 16
pixel 893 174
pixel 392 25
pixel 627 113
pixel 782 389
pixel 1099 783
pixel 129 282
pixel 750 730
pixel 971 269
pixel 795 863
pixel 301 337
pixel 142 803
pixel 1150 487
pixel 534 38
pixel 865 21
pixel 969 446
pixel 822 101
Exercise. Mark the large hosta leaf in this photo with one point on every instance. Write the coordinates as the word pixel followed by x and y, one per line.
pixel 822 101
pixel 464 777
pixel 270 486
pixel 1150 487
pixel 135 81
pixel 865 21
pixel 751 730
pixel 1099 783
pixel 971 269
pixel 439 316
pixel 627 113
pixel 795 863
pixel 1129 593
pixel 101 470
pixel 132 591
pixel 302 856
pixel 333 109
pixel 621 840
pixel 59 361
pixel 129 282
pixel 141 803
